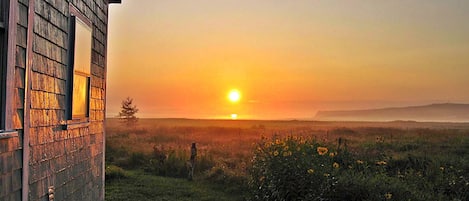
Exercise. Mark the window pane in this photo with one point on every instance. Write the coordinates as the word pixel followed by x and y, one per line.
pixel 80 96
pixel 3 63
pixel 83 39
pixel 3 13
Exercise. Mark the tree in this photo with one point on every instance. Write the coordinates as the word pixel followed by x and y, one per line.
pixel 128 111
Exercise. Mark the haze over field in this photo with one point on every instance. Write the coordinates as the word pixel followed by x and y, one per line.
pixel 432 113
pixel 288 59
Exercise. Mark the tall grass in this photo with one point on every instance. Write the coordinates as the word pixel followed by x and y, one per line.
pixel 294 168
pixel 418 160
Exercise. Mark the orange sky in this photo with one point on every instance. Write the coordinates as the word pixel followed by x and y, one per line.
pixel 288 58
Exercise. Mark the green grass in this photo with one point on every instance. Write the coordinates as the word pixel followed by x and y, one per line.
pixel 424 160
pixel 138 186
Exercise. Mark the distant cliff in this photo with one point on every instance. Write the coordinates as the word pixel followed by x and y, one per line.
pixel 447 112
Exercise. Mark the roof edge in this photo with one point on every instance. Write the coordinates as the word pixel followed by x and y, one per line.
pixel 114 1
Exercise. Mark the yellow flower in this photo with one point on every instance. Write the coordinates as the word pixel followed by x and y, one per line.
pixel 262 179
pixel 335 165
pixel 322 150
pixel 381 163
pixel 285 154
pixel 359 161
pixel 275 153
pixel 388 196
pixel 310 171
pixel 285 148
pixel 332 154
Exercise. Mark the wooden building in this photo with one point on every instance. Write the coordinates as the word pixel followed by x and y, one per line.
pixel 52 99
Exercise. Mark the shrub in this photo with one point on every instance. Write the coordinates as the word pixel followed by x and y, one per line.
pixel 357 186
pixel 137 159
pixel 292 169
pixel 296 169
pixel 224 176
pixel 114 172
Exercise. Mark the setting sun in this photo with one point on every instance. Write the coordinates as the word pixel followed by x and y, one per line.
pixel 234 116
pixel 234 95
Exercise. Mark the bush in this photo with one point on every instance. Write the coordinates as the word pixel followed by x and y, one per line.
pixel 227 179
pixel 114 172
pixel 297 169
pixel 292 169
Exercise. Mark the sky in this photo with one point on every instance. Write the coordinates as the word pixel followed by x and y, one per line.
pixel 288 59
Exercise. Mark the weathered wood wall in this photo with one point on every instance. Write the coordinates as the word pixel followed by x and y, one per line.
pixel 11 159
pixel 10 169
pixel 69 159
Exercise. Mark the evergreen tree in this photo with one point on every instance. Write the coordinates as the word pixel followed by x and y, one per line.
pixel 128 111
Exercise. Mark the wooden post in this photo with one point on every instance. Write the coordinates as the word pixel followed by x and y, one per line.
pixel 192 161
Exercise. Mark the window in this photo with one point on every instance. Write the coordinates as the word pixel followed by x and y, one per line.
pixel 3 59
pixel 79 68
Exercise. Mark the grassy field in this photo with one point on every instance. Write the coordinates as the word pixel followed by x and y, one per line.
pixel 138 186
pixel 226 148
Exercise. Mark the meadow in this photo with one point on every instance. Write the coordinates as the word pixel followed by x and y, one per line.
pixel 287 160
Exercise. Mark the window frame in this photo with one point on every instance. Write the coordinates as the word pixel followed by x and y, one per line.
pixel 3 59
pixel 7 67
pixel 74 18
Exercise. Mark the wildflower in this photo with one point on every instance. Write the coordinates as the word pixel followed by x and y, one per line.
pixel 277 141
pixel 275 153
pixel 332 154
pixel 310 171
pixel 285 148
pixel 442 168
pixel 335 165
pixel 381 163
pixel 262 179
pixel 388 196
pixel 322 150
pixel 285 154
pixel 359 161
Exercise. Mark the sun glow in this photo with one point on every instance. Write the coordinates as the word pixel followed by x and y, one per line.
pixel 234 116
pixel 234 96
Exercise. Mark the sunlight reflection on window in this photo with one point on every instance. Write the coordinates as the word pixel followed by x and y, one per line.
pixel 82 66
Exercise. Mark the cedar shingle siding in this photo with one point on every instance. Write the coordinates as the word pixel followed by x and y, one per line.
pixel 46 149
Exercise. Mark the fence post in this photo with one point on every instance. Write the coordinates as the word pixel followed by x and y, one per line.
pixel 192 161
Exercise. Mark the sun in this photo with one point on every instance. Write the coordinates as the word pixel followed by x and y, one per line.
pixel 234 96
pixel 234 116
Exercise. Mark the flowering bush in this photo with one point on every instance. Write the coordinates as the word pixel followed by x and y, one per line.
pixel 294 168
